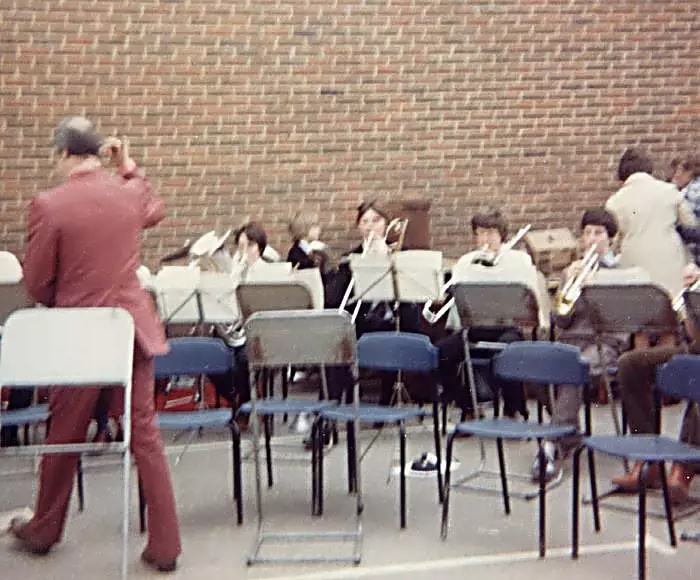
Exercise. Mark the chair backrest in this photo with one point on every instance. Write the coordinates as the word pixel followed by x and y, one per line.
pixel 194 356
pixel 10 268
pixel 544 363
pixel 397 351
pixel 680 377
pixel 67 346
pixel 300 337
pixel 272 296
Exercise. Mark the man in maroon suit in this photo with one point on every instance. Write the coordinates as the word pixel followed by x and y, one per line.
pixel 83 250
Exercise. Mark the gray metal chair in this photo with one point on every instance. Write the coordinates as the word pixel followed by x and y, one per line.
pixel 273 341
pixel 97 352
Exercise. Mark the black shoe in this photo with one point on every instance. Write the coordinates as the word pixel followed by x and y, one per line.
pixel 151 562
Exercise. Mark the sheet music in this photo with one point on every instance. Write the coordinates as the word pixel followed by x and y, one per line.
pixel 419 276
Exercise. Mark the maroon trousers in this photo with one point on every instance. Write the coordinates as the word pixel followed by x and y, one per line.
pixel 71 412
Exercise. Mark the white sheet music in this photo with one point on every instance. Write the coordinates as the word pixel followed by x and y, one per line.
pixel 418 276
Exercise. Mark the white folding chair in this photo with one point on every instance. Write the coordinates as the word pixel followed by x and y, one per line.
pixel 76 347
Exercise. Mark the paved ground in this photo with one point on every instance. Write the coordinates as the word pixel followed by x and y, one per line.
pixel 482 542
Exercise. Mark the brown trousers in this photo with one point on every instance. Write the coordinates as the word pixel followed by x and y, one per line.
pixel 637 376
pixel 71 412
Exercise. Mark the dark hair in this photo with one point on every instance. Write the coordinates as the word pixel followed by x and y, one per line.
pixel 689 162
pixel 491 219
pixel 255 233
pixel 599 216
pixel 374 204
pixel 77 136
pixel 633 161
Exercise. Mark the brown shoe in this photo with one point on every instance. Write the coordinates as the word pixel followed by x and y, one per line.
pixel 24 541
pixel 679 482
pixel 164 566
pixel 630 481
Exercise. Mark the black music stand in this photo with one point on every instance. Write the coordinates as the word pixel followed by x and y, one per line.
pixel 496 303
pixel 413 276
pixel 629 308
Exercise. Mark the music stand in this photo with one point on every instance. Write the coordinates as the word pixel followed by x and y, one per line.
pixel 692 308
pixel 619 307
pixel 495 303
pixel 413 276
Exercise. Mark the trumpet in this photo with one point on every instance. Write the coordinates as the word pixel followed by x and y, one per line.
pixel 486 258
pixel 570 292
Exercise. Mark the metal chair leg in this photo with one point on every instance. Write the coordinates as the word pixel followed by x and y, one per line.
pixel 268 449
pixel 402 484
pixel 81 486
pixel 237 468
pixel 642 523
pixel 446 500
pixel 504 478
pixel 594 490
pixel 575 504
pixel 667 505
pixel 542 498
pixel 142 508
pixel 438 451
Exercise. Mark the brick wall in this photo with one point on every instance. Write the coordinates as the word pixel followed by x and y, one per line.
pixel 257 108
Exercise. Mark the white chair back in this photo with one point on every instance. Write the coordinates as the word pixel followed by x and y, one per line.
pixel 10 268
pixel 67 346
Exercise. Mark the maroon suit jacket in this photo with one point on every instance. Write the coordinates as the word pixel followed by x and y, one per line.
pixel 84 246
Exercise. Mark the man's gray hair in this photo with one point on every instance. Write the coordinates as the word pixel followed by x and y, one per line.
pixel 77 136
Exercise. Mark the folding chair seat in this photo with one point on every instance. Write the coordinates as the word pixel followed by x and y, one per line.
pixel 677 378
pixel 542 363
pixel 399 352
pixel 77 360
pixel 193 356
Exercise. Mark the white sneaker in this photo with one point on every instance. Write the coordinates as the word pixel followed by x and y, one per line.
pixel 298 376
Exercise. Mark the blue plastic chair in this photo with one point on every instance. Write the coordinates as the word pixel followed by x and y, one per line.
pixel 390 351
pixel 194 356
pixel 543 363
pixel 679 378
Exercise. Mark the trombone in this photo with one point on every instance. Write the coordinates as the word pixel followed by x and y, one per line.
pixel 570 292
pixel 482 258
pixel 485 258
pixel 398 225
pixel 678 303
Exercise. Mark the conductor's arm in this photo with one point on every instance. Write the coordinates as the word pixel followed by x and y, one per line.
pixel 152 207
pixel 41 255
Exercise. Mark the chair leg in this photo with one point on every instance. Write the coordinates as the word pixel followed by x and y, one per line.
pixel 268 448
pixel 352 480
pixel 81 486
pixel 502 471
pixel 237 468
pixel 142 508
pixel 575 499
pixel 542 498
pixel 667 505
pixel 402 479
pixel 642 523
pixel 444 417
pixel 319 450
pixel 594 490
pixel 446 499
pixel 438 451
pixel 285 389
